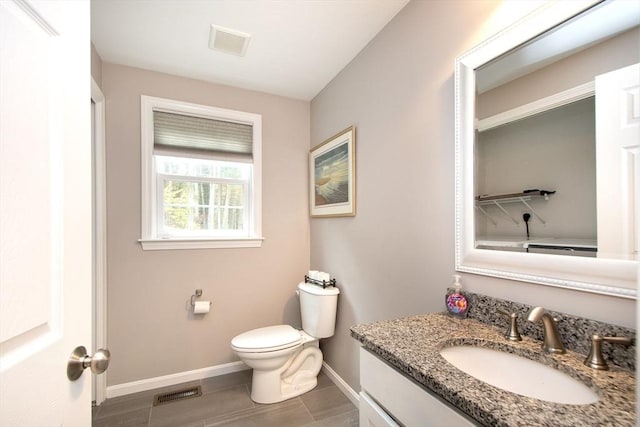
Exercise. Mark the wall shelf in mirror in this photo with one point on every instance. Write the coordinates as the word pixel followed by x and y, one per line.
pixel 499 199
pixel 545 245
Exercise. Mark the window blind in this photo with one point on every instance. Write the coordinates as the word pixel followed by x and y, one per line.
pixel 177 133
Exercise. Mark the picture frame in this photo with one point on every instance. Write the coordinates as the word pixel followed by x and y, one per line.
pixel 332 167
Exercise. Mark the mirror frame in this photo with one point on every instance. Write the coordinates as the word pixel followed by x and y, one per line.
pixel 604 276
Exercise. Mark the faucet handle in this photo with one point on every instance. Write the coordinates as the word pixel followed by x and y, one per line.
pixel 594 359
pixel 512 333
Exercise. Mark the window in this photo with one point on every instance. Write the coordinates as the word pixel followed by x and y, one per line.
pixel 200 176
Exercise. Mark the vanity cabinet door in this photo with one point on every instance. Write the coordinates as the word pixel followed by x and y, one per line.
pixel 372 415
pixel 404 401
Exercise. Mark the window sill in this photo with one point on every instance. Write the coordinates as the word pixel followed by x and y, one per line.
pixel 222 243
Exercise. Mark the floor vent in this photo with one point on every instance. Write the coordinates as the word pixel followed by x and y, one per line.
pixel 187 393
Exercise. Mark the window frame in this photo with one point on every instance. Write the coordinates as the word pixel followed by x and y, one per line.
pixel 150 238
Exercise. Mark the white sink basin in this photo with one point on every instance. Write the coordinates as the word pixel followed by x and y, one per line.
pixel 519 375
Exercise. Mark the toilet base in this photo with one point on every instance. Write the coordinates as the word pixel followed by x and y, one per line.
pixel 298 376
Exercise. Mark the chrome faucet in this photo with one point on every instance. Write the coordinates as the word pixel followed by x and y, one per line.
pixel 552 342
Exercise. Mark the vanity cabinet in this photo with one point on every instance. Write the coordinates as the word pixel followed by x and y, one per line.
pixel 388 398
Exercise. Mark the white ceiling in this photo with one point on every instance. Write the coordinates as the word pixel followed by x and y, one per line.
pixel 297 46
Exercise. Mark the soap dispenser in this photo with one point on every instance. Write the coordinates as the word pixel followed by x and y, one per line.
pixel 455 299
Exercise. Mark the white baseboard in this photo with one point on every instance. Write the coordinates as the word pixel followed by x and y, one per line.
pixel 213 371
pixel 173 379
pixel 342 384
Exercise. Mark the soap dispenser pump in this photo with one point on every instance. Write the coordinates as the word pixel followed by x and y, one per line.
pixel 455 299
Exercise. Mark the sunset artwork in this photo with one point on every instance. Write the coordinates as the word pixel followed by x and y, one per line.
pixel 332 176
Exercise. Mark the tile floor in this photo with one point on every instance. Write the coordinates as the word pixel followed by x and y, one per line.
pixel 225 402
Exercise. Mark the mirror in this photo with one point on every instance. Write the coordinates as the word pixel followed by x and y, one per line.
pixel 530 137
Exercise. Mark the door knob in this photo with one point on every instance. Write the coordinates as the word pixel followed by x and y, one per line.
pixel 79 361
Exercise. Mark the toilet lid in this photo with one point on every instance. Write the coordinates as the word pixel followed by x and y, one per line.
pixel 271 338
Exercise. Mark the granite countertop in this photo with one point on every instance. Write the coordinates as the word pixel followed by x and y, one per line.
pixel 412 345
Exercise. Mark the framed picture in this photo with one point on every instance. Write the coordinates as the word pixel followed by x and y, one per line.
pixel 332 166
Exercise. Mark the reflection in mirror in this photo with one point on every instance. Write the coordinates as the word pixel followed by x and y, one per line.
pixel 526 141
pixel 548 149
pixel 549 160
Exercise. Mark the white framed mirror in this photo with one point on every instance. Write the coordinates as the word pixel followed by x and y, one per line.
pixel 520 225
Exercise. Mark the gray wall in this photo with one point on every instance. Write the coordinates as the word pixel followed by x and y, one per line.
pixel 150 331
pixel 96 65
pixel 396 257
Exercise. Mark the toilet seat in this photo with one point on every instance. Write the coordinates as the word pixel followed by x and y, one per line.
pixel 271 338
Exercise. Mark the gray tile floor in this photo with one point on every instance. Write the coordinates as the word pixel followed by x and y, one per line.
pixel 225 402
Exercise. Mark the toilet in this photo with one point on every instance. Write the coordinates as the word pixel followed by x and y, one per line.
pixel 286 361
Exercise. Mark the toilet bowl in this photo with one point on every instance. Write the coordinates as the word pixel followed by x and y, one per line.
pixel 284 369
pixel 286 361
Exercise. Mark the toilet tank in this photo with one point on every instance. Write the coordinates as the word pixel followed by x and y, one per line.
pixel 318 309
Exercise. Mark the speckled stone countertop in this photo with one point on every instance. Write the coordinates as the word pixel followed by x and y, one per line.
pixel 412 346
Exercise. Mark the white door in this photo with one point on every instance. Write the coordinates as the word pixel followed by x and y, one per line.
pixel 45 211
pixel 618 162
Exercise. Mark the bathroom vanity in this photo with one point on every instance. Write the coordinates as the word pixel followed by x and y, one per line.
pixel 406 381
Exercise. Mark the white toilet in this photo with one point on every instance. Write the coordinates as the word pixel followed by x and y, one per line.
pixel 286 361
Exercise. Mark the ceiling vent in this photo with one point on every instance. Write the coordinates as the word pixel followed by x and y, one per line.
pixel 228 41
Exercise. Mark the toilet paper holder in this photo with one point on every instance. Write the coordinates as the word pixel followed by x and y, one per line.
pixel 198 294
